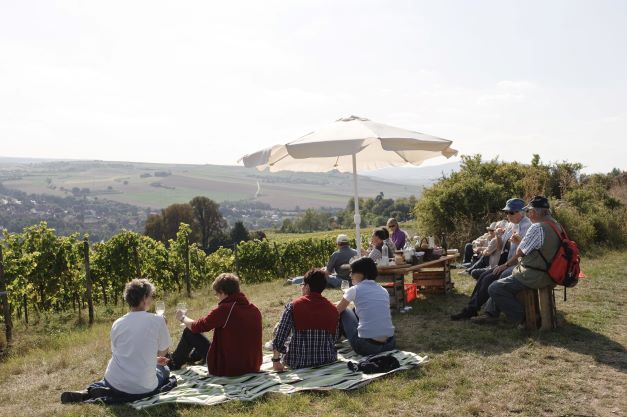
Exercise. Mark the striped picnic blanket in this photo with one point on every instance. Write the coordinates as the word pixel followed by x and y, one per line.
pixel 195 386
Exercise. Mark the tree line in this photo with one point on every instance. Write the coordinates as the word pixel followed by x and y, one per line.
pixel 591 207
pixel 209 229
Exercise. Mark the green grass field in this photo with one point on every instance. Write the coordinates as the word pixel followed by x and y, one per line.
pixel 129 183
pixel 577 370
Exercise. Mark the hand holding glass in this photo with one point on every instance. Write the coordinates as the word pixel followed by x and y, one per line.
pixel 159 308
pixel 182 307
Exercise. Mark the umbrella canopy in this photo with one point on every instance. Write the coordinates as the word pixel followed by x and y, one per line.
pixel 351 144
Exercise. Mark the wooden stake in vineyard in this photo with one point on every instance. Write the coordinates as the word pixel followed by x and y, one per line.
pixel 188 283
pixel 8 323
pixel 90 301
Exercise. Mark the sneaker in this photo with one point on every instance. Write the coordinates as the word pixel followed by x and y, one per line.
pixel 268 345
pixel 485 318
pixel 74 397
pixel 99 392
pixel 465 314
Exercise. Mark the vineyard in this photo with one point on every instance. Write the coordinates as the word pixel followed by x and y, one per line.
pixel 44 272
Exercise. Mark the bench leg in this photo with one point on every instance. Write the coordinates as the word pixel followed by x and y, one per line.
pixel 529 299
pixel 548 314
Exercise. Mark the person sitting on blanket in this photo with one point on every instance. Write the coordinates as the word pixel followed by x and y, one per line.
pixel 368 328
pixel 139 344
pixel 236 324
pixel 335 273
pixel 308 329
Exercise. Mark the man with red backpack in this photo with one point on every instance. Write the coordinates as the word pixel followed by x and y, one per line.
pixel 535 251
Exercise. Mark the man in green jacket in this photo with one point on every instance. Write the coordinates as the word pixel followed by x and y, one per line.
pixel 540 241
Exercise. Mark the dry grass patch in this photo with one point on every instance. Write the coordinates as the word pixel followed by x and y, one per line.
pixel 579 369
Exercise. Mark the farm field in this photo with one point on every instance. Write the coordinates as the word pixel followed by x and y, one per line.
pixel 578 369
pixel 137 184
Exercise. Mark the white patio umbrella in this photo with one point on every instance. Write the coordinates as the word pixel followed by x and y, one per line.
pixel 351 144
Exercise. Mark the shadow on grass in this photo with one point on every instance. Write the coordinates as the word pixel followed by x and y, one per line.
pixel 427 329
pixel 582 340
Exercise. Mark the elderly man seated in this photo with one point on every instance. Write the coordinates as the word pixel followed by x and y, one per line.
pixel 335 273
pixel 539 244
pixel 512 235
pixel 490 255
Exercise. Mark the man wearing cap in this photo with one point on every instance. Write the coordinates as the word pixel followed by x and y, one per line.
pixel 489 255
pixel 341 257
pixel 335 272
pixel 530 272
pixel 513 233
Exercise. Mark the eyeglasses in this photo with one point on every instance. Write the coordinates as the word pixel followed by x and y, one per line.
pixel 392 226
pixel 511 213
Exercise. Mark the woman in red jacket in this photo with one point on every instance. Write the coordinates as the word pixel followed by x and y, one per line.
pixel 236 324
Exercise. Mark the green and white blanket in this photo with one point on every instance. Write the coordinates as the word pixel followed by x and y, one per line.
pixel 195 386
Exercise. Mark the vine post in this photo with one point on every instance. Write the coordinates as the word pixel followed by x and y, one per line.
pixel 188 283
pixel 90 301
pixel 8 323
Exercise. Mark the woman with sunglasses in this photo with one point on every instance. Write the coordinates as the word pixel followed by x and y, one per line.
pixel 397 235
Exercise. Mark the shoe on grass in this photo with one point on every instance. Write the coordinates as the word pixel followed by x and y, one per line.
pixel 74 397
pixel 484 318
pixel 99 392
pixel 465 314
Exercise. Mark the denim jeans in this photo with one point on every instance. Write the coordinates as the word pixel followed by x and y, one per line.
pixel 163 377
pixel 480 294
pixel 503 298
pixel 360 345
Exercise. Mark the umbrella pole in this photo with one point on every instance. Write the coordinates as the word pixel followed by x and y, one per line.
pixel 357 216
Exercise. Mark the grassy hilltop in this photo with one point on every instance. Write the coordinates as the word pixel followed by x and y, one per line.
pixel 159 185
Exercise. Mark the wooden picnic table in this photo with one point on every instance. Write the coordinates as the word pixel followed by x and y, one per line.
pixel 433 276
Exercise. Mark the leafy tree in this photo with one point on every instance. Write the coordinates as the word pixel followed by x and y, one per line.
pixel 208 219
pixel 239 233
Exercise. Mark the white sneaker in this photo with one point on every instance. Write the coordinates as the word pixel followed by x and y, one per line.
pixel 268 345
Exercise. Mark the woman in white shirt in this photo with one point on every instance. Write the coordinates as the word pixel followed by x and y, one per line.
pixel 139 344
pixel 369 328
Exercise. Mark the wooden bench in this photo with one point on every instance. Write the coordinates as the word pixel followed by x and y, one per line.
pixel 539 305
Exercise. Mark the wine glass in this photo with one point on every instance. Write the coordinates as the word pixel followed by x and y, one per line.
pixel 160 308
pixel 345 285
pixel 182 307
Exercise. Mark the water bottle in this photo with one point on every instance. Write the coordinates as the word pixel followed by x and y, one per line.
pixel 385 258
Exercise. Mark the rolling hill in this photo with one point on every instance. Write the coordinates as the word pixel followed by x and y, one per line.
pixel 158 185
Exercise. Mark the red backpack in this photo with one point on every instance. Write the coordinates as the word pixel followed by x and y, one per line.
pixel 564 267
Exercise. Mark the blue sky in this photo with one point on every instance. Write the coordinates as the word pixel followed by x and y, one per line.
pixel 206 82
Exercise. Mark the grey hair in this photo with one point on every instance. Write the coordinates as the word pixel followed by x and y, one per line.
pixel 543 212
pixel 136 290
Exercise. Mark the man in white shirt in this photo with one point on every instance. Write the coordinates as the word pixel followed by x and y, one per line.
pixel 529 265
pixel 515 231
pixel 139 343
